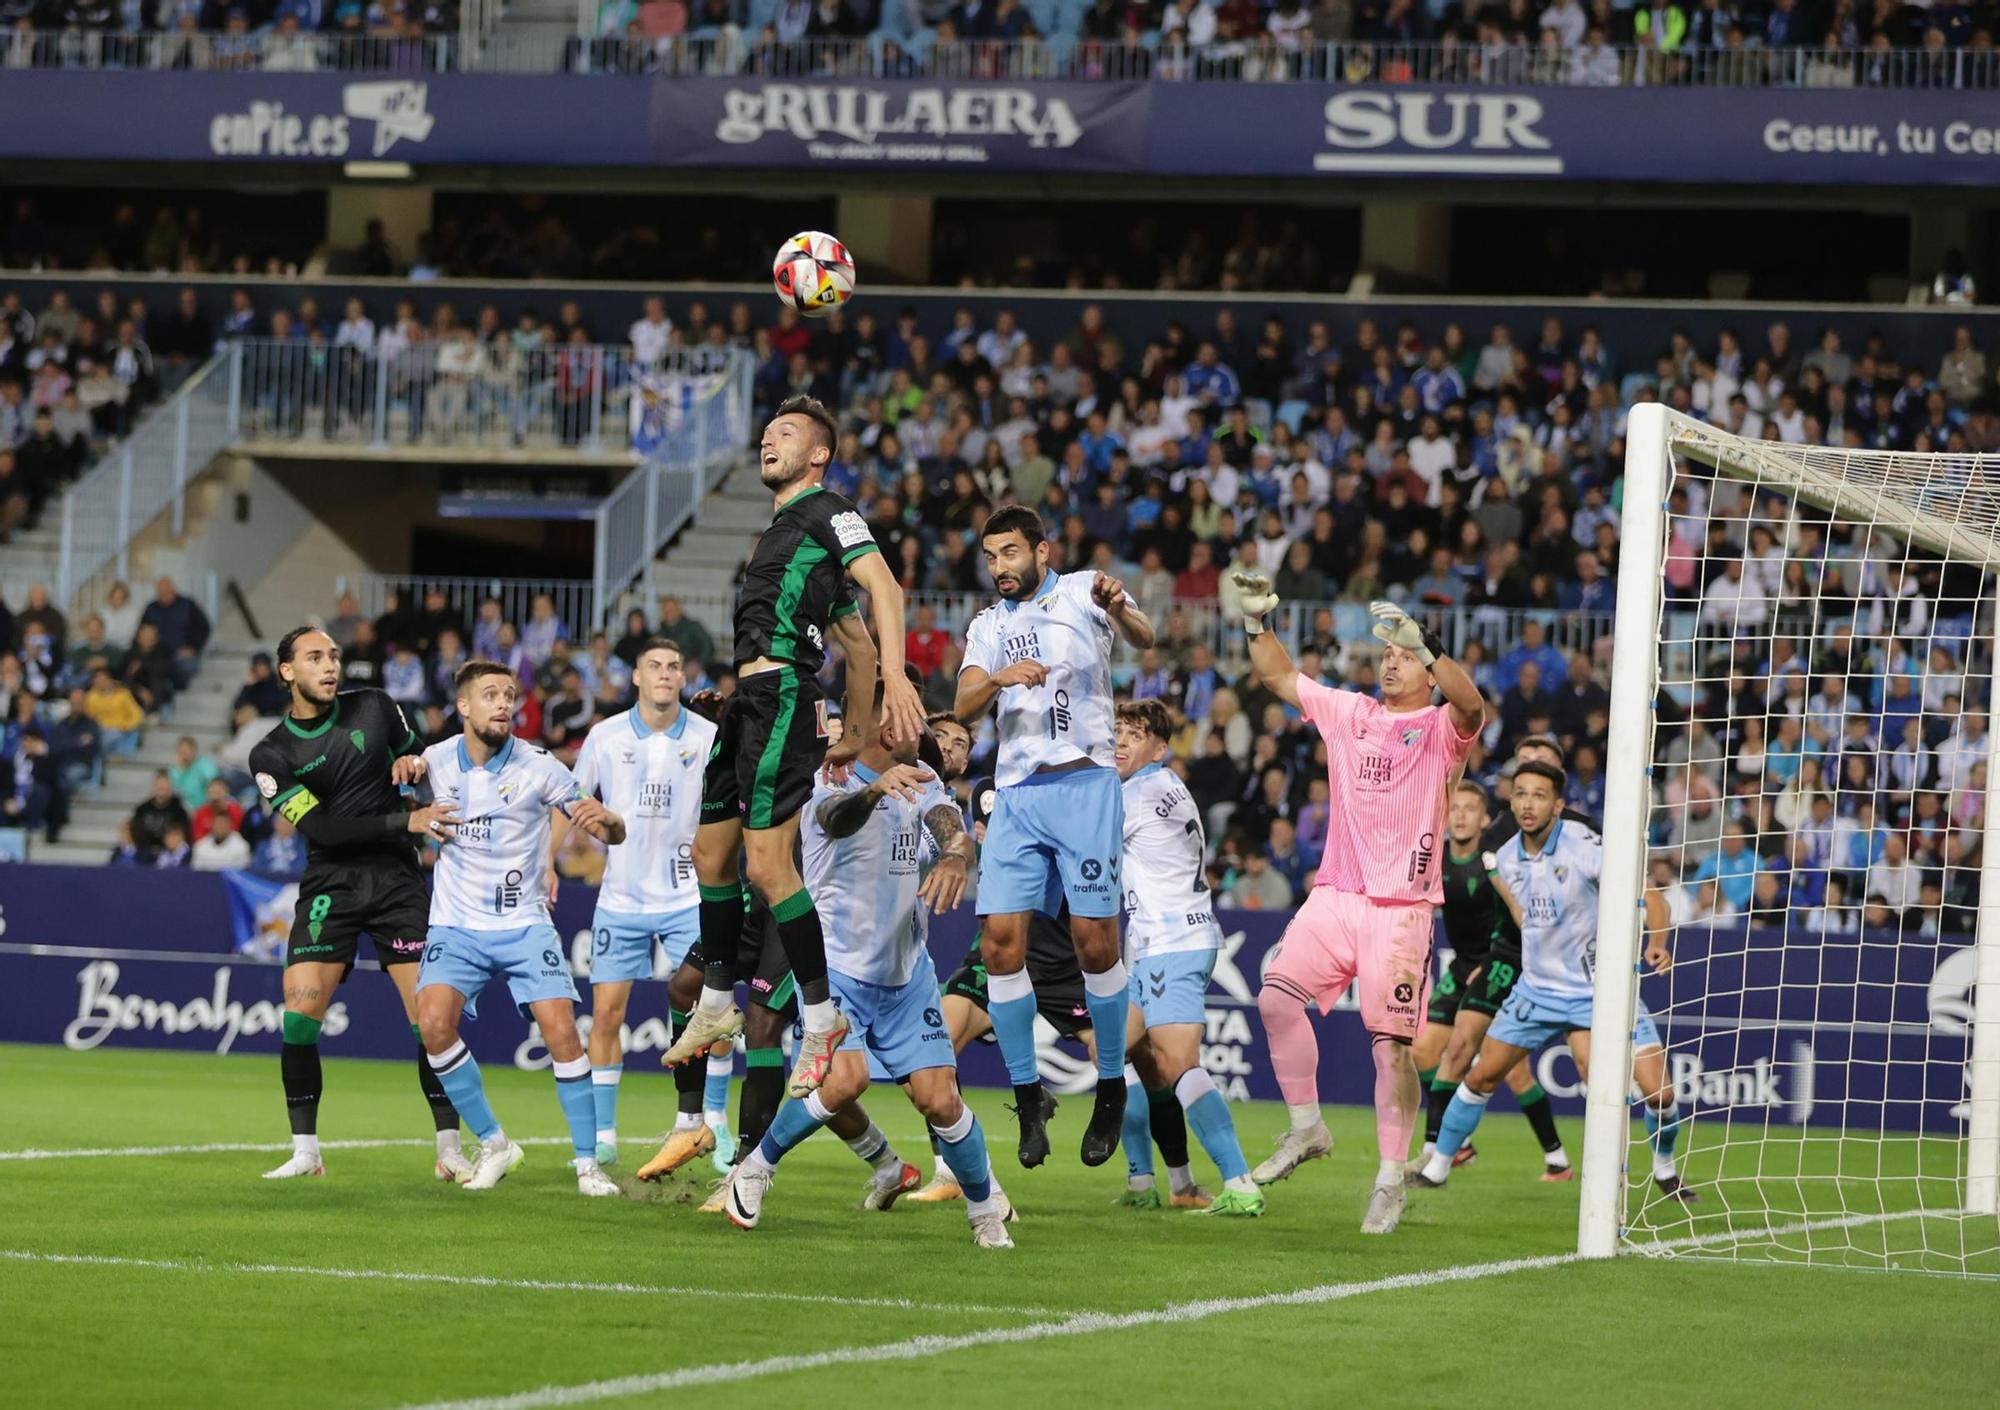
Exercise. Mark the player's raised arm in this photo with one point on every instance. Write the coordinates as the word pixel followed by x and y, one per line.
pixel 1269 661
pixel 1117 604
pixel 945 885
pixel 901 708
pixel 863 671
pixel 1396 627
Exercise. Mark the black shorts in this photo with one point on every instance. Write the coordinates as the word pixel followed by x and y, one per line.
pixel 386 899
pixel 1059 992
pixel 768 746
pixel 1498 973
pixel 1450 991
pixel 760 962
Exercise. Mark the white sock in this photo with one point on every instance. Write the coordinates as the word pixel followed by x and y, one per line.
pixel 447 1142
pixel 821 1017
pixel 1242 1184
pixel 1437 1169
pixel 686 1120
pixel 306 1145
pixel 715 1119
pixel 1305 1116
pixel 1557 1159
pixel 497 1141
pixel 1389 1174
pixel 1429 1150
pixel 1138 1182
pixel 872 1146
pixel 1664 1167
pixel 756 1158
pixel 817 1109
pixel 714 1000
pixel 584 1165
pixel 1180 1179
pixel 943 1171
pixel 606 1136
pixel 1106 984
pixel 975 1208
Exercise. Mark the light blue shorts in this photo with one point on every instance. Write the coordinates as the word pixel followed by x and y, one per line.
pixel 1531 1018
pixel 1054 835
pixel 621 944
pixel 1172 988
pixel 531 957
pixel 900 1027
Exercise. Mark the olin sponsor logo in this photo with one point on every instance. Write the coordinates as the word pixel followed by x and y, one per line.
pixel 1473 134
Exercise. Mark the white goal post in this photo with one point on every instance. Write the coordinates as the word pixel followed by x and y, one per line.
pixel 1840 1090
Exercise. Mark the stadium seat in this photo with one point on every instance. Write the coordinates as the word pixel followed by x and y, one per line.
pixel 1260 413
pixel 1629 385
pixel 760 14
pixel 1293 414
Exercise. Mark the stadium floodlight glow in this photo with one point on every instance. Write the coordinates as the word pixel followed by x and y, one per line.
pixel 1842 1083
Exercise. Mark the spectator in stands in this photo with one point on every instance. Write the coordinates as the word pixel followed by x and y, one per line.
pixel 182 628
pixel 159 811
pixel 191 772
pixel 263 695
pixel 173 851
pixel 1259 886
pixel 686 632
pixel 221 847
pixel 282 854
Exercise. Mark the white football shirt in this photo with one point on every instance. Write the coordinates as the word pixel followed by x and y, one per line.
pixel 491 874
pixel 1166 885
pixel 651 779
pixel 1068 717
pixel 1557 889
pixel 865 885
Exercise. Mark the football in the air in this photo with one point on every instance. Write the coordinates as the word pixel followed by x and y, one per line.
pixel 813 273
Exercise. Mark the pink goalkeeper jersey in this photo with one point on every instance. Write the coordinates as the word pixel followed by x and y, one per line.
pixel 1388 773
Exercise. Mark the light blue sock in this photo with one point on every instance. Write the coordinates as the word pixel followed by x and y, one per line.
pixel 715 1086
pixel 576 1092
pixel 1108 996
pixel 1138 1137
pixel 963 1146
pixel 1461 1118
pixel 1208 1116
pixel 1663 1130
pixel 795 1121
pixel 604 1094
pixel 1010 1004
pixel 459 1075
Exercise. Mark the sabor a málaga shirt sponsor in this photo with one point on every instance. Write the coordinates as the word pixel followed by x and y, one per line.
pixel 1557 892
pixel 492 874
pixel 1069 716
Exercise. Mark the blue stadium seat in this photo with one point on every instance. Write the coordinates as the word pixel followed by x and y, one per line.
pixel 1293 413
pixel 1629 386
pixel 1260 414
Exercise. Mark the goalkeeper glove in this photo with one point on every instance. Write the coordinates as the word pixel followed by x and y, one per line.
pixel 1258 599
pixel 1397 628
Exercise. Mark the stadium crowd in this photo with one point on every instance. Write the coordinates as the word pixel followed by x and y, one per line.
pixel 1477 482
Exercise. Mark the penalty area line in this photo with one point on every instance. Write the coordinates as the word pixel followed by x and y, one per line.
pixel 473 1280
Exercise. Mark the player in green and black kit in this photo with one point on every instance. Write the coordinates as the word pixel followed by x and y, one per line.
pixel 333 769
pixel 772 736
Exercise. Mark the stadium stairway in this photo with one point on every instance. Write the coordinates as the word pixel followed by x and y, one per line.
pixel 701 565
pixel 542 28
pixel 32 557
pixel 201 712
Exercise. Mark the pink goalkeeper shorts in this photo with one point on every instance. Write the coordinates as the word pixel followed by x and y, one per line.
pixel 1339 938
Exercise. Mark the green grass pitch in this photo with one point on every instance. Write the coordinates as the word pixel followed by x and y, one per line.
pixel 241 1308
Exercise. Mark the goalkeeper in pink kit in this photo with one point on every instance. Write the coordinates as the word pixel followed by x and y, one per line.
pixel 1390 766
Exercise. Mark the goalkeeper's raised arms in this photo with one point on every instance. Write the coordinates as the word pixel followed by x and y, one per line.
pixel 1395 627
pixel 1259 601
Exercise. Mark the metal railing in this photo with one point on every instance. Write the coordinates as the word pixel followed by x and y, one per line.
pixel 107 508
pixel 380 594
pixel 478 48
pixel 462 393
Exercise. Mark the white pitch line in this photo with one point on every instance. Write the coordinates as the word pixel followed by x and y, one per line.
pixel 467 1280
pixel 1079 1324
pixel 237 1147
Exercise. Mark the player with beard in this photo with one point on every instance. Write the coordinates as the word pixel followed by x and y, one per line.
pixel 1042 654
pixel 770 743
pixel 332 769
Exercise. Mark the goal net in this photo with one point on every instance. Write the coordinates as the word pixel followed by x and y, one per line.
pixel 1800 739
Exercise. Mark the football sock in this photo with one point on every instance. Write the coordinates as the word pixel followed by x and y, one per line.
pixel 1180 1179
pixel 1107 995
pixel 964 1147
pixel 1169 1127
pixel 1137 1139
pixel 604 1097
pixel 872 1146
pixel 1460 1119
pixel 575 1090
pixel 688 1077
pixel 795 1121
pixel 1542 1121
pixel 1663 1133
pixel 721 934
pixel 1395 1102
pixel 1010 1004
pixel 1294 1049
pixel 1209 1115
pixel 444 1116
pixel 298 1066
pixel 458 1072
pixel 715 1087
pixel 1438 1096
pixel 763 1090
pixel 805 948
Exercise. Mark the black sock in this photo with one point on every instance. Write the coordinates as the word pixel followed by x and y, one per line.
pixel 1169 1124
pixel 763 1091
pixel 1541 1118
pixel 690 1075
pixel 721 933
pixel 298 1063
pixel 1440 1098
pixel 805 945
pixel 444 1115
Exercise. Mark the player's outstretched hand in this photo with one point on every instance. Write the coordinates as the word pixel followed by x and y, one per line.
pixel 1259 601
pixel 1396 627
pixel 436 822
pixel 1108 593
pixel 944 888
pixel 1659 959
pixel 902 709
pixel 906 781
pixel 593 817
pixel 407 770
pixel 840 757
pixel 1023 672
pixel 708 704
